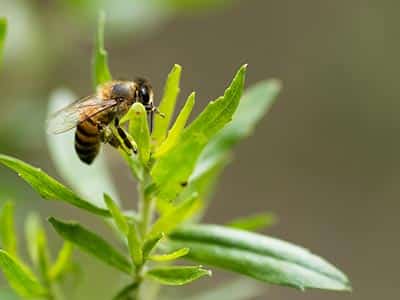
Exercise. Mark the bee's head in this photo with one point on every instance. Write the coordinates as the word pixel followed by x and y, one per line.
pixel 122 91
pixel 144 92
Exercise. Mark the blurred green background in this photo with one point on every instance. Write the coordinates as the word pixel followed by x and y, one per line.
pixel 325 159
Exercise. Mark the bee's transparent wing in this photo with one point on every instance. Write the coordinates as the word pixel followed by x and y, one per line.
pixel 77 112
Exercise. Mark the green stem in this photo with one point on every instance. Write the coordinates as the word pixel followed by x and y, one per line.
pixel 146 211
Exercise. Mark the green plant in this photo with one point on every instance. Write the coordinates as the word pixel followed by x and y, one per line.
pixel 176 170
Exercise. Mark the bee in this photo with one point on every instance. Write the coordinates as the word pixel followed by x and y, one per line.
pixel 92 115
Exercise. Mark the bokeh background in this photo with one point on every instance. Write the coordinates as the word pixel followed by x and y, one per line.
pixel 325 159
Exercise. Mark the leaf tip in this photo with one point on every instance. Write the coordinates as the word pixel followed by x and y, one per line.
pixel 208 272
pixel 101 18
pixel 53 221
pixel 276 83
pixel 177 68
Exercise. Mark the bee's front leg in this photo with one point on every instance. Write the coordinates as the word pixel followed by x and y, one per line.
pixel 151 110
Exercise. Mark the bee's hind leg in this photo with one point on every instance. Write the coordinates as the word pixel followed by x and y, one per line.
pixel 125 140
pixel 108 137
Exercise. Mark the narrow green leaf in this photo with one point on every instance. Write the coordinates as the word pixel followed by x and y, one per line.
pixel 175 133
pixel 101 72
pixel 204 179
pixel 92 244
pixel 126 292
pixel 68 165
pixel 177 275
pixel 169 173
pixel 254 104
pixel 32 227
pixel 119 218
pixel 135 245
pixel 3 33
pixel 37 244
pixel 62 262
pixel 47 187
pixel 254 222
pixel 170 256
pixel 139 130
pixel 172 219
pixel 261 257
pixel 43 255
pixel 20 277
pixel 150 244
pixel 167 104
pixel 134 164
pixel 8 235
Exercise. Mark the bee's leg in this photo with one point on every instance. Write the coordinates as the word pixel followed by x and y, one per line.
pixel 127 141
pixel 151 121
pixel 151 110
pixel 108 137
pixel 157 111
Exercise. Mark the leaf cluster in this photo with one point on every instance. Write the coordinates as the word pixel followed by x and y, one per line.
pixel 176 168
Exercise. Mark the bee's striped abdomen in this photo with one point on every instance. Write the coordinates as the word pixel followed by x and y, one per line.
pixel 87 141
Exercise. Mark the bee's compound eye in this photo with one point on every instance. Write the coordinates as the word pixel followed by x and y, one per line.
pixel 120 90
pixel 144 95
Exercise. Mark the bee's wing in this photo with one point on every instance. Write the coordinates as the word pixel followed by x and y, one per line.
pixel 77 112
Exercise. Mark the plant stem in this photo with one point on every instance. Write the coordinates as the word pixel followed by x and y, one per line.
pixel 146 208
pixel 146 211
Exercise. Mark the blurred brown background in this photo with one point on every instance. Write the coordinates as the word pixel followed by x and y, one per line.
pixel 325 159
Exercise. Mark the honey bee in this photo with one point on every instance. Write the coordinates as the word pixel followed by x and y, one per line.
pixel 92 115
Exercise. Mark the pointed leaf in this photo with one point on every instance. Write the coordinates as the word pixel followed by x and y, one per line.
pixel 169 173
pixel 175 133
pixel 8 235
pixel 68 165
pixel 261 257
pixel 62 262
pixel 171 220
pixel 92 244
pixel 119 218
pixel 134 165
pixel 177 275
pixel 126 292
pixel 43 255
pixel 254 222
pixel 255 103
pixel 3 33
pixel 170 256
pixel 37 244
pixel 32 227
pixel 167 105
pixel 139 130
pixel 151 243
pixel 48 187
pixel 101 73
pixel 135 245
pixel 204 180
pixel 20 277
